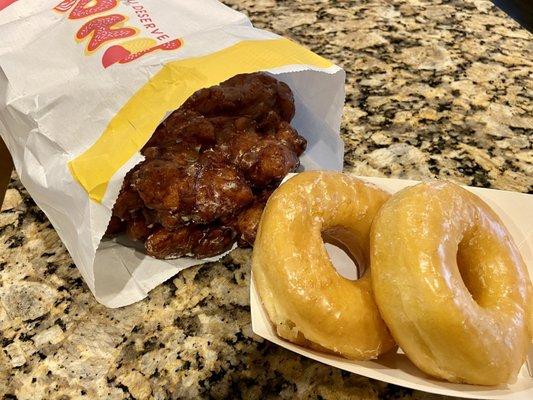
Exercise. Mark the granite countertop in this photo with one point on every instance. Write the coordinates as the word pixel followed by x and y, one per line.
pixel 432 90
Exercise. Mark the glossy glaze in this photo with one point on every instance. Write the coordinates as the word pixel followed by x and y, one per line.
pixel 305 297
pixel 451 284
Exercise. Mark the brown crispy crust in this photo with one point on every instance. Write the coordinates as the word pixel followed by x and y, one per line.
pixel 209 169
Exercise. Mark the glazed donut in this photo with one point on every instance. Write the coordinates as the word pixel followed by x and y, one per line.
pixel 451 284
pixel 306 299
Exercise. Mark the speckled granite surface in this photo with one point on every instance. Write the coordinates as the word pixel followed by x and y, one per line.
pixel 432 89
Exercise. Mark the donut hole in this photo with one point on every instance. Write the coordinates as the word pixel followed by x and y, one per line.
pixel 344 254
pixel 470 271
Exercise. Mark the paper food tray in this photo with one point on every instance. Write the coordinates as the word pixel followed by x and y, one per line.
pixel 516 211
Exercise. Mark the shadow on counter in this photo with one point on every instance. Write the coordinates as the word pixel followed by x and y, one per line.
pixel 519 10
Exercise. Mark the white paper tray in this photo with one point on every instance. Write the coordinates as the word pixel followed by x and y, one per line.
pixel 516 211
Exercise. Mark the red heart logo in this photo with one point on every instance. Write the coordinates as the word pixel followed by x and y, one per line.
pixel 113 55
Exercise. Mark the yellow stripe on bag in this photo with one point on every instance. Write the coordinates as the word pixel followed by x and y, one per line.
pixel 167 90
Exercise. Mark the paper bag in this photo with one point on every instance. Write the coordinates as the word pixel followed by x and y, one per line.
pixel 84 83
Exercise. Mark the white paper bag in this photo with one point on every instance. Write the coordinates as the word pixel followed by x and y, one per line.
pixel 516 212
pixel 84 83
